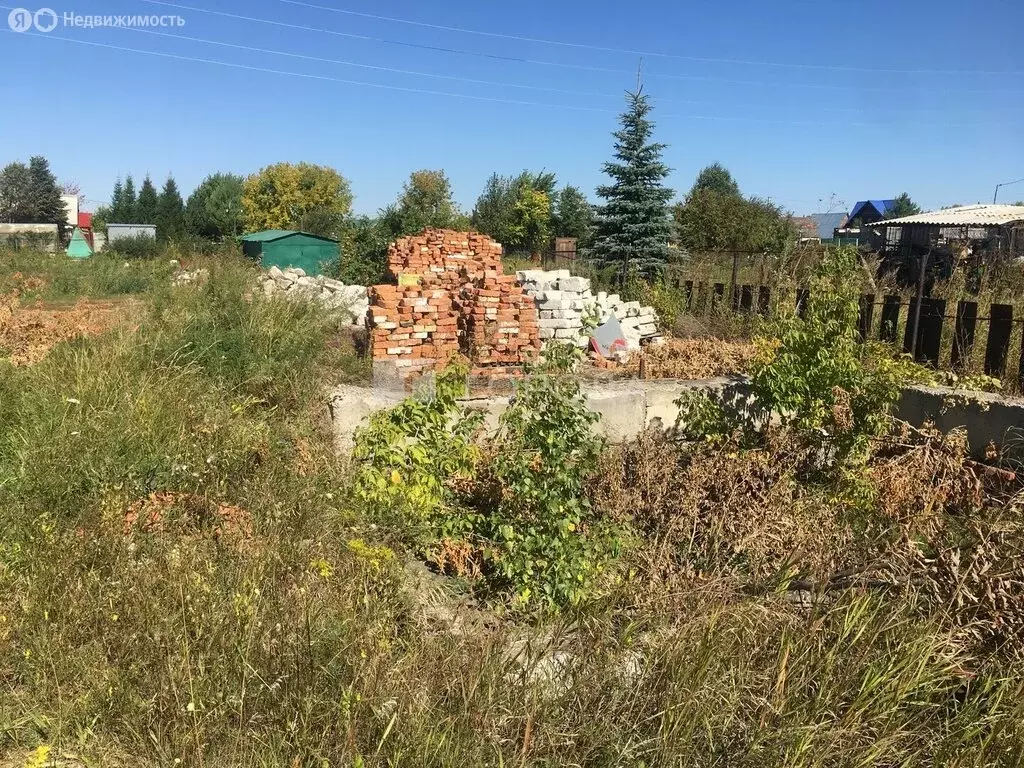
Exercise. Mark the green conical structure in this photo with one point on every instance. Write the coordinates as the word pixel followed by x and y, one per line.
pixel 79 247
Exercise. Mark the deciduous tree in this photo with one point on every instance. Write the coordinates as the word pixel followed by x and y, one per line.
pixel 573 216
pixel 715 216
pixel 15 197
pixel 633 225
pixel 279 196
pixel 426 201
pixel 29 194
pixel 516 210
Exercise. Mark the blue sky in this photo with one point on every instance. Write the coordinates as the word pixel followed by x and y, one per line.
pixel 801 99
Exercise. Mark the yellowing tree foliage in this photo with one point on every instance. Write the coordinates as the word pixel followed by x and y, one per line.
pixel 280 195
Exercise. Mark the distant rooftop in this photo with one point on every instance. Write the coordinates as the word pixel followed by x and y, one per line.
pixel 964 216
pixel 882 206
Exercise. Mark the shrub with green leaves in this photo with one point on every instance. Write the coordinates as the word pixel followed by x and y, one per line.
pixel 819 376
pixel 515 505
pixel 550 545
pixel 409 455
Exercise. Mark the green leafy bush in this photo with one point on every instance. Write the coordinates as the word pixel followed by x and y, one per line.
pixel 136 247
pixel 512 509
pixel 819 376
pixel 410 454
pixel 550 544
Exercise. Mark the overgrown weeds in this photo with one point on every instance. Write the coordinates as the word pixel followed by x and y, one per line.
pixel 185 578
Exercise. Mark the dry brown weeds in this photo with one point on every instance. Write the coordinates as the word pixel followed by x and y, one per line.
pixel 691 359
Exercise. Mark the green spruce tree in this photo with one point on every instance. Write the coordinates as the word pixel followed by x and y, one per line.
pixel 170 212
pixel 145 209
pixel 129 204
pixel 633 224
pixel 44 194
pixel 116 210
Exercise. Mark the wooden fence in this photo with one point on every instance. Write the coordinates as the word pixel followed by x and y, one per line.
pixel 947 335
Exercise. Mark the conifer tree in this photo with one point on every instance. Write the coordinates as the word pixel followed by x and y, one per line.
pixel 633 225
pixel 129 205
pixel 116 211
pixel 170 212
pixel 145 208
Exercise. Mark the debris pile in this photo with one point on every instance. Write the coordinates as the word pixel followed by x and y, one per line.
pixel 568 307
pixel 333 294
pixel 451 297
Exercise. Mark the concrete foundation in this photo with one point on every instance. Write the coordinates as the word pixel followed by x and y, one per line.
pixel 629 407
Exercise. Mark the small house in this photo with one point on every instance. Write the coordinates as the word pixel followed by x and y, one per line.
pixel 288 248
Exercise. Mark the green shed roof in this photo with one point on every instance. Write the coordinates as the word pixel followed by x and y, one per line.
pixel 269 235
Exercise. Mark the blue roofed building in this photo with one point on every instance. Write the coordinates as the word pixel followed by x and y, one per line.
pixel 870 211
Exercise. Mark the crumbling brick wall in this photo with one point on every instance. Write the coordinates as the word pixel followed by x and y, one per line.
pixel 451 297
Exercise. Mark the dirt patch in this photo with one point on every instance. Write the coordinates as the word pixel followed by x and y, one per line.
pixel 168 511
pixel 28 333
pixel 691 359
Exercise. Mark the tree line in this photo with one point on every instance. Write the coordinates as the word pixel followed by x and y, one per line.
pixel 634 228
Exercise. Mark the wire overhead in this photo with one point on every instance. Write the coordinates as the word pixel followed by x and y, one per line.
pixel 635 52
pixel 560 64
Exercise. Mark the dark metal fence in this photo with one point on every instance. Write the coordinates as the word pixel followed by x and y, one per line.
pixel 948 336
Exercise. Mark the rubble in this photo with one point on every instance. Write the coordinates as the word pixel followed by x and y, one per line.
pixel 333 294
pixel 451 298
pixel 568 308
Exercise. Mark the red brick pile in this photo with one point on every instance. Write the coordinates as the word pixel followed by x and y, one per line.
pixel 445 256
pixel 451 297
pixel 412 325
pixel 500 322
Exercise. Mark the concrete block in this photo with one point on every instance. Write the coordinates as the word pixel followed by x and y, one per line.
pixel 566 333
pixel 275 272
pixel 574 284
pixel 557 323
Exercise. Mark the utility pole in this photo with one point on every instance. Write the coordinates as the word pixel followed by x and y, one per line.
pixel 1003 184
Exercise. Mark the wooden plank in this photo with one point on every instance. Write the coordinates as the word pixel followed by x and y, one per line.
pixel 746 298
pixel 688 289
pixel 929 335
pixel 717 295
pixel 891 306
pixel 997 347
pixel 867 312
pixel 963 334
pixel 802 297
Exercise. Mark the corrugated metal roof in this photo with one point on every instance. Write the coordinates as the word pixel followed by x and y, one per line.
pixel 269 235
pixel 828 223
pixel 964 216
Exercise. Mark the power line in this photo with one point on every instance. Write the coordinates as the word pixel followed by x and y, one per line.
pixel 405 89
pixel 634 52
pixel 559 64
pixel 267 70
pixel 476 81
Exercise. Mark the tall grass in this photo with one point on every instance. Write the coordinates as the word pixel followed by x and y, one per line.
pixel 299 639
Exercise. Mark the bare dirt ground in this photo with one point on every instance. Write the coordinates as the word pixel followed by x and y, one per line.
pixel 28 333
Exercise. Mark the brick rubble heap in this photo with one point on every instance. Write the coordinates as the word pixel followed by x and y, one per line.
pixel 451 297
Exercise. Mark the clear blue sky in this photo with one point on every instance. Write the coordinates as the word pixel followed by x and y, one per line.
pixel 804 98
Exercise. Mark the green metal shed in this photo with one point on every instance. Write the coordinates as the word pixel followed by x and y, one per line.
pixel 288 248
